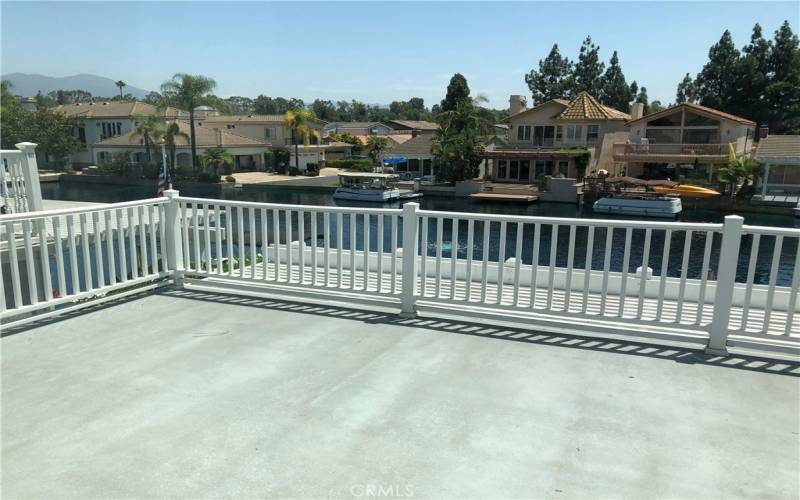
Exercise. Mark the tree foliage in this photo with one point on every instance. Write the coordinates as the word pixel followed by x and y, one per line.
pixel 554 78
pixel 588 70
pixel 459 142
pixel 615 91
pixel 457 91
pixel 185 91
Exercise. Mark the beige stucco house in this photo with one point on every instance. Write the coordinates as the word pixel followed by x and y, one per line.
pixel 546 140
pixel 686 140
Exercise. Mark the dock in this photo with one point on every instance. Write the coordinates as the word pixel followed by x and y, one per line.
pixel 512 193
pixel 515 198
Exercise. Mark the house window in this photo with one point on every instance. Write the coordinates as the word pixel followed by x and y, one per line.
pixel 543 167
pixel 501 169
pixel 559 133
pixel 574 133
pixel 231 126
pixel 563 168
pixel 513 171
pixel 119 129
pixel 592 133
pixel 268 133
pixel 524 133
pixel 524 170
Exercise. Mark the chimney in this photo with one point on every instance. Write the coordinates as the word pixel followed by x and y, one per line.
pixel 763 131
pixel 517 103
pixel 637 110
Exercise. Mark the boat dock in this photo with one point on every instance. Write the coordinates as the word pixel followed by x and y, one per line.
pixel 513 193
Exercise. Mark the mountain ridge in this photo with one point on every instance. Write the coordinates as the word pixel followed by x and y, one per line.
pixel 28 84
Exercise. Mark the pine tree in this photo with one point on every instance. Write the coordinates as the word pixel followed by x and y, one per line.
pixel 686 91
pixel 751 79
pixel 553 80
pixel 716 82
pixel 783 91
pixel 615 91
pixel 457 91
pixel 642 98
pixel 589 69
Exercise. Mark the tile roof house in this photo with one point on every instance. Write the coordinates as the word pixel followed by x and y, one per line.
pixel 780 156
pixel 357 128
pixel 418 153
pixel 547 139
pixel 407 125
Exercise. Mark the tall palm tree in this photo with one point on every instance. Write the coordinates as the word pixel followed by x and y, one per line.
pixel 299 122
pixel 187 91
pixel 169 135
pixel 146 126
pixel 121 85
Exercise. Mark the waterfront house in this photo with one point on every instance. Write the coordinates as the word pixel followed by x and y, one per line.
pixel 418 154
pixel 357 128
pixel 780 182
pixel 684 141
pixel 548 139
pixel 102 120
pixel 409 126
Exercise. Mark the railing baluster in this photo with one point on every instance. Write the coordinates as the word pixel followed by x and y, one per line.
pixel 570 265
pixel 626 260
pixel 264 244
pixel 240 241
pixel 487 227
pixel 773 277
pixel 501 262
pixel 313 248
pixel 687 248
pixel 289 215
pixel 59 251
pixel 276 238
pixel 453 256
pixel 439 243
pixel 185 221
pixel 537 233
pixel 151 218
pixel 16 285
pixel 143 242
pixel 701 299
pixel 470 256
pixel 98 249
pixel 394 253
pixel 606 267
pixel 229 239
pixel 29 262
pixel 751 273
pixel 87 262
pixel 339 250
pixel 643 276
pixel 197 266
pixel 587 272
pixel 123 254
pixel 207 209
pixel 251 215
pixel 326 226
pixel 366 251
pixel 353 221
pixel 792 305
pixel 379 241
pixel 301 242
pixel 552 271
pixel 423 249
pixel 664 270
pixel 162 234
pixel 44 255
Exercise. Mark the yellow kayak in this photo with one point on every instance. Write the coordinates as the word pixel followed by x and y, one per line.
pixel 687 191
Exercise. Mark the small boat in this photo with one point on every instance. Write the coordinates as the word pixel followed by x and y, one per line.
pixel 366 187
pixel 686 191
pixel 639 205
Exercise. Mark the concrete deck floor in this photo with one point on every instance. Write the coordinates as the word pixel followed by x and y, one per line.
pixel 191 394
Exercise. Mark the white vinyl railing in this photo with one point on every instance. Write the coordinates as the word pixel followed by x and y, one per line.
pixel 719 284
pixel 19 180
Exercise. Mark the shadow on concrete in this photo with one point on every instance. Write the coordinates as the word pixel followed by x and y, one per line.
pixel 678 354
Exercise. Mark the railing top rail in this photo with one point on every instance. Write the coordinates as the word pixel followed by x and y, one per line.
pixel 565 221
pixel 80 210
pixel 773 231
pixel 10 152
pixel 281 206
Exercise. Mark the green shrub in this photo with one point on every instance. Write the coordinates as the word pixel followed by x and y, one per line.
pixel 208 177
pixel 230 178
pixel 351 164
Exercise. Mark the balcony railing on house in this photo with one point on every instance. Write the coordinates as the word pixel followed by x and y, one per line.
pixel 666 152
pixel 720 285
pixel 19 179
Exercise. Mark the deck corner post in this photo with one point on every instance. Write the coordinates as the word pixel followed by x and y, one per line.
pixel 172 232
pixel 410 235
pixel 30 171
pixel 726 279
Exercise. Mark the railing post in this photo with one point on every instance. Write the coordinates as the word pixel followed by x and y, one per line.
pixel 172 232
pixel 410 235
pixel 726 279
pixel 30 171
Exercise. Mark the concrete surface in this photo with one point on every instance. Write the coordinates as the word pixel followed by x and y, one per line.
pixel 191 394
pixel 329 175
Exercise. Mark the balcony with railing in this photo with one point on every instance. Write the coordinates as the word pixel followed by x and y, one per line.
pixel 704 153
pixel 201 347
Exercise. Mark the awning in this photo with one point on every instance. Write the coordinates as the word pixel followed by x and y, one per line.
pixel 395 160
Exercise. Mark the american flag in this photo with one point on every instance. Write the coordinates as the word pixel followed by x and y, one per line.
pixel 164 181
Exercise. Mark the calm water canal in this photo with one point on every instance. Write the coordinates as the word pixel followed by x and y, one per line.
pixel 114 193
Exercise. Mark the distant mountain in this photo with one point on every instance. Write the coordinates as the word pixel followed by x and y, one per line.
pixel 27 85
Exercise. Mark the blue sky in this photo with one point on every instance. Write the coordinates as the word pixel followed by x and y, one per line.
pixel 372 51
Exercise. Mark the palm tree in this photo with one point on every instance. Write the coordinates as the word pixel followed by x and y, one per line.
pixel 121 85
pixel 169 134
pixel 299 122
pixel 217 158
pixel 146 126
pixel 187 92
pixel 376 145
